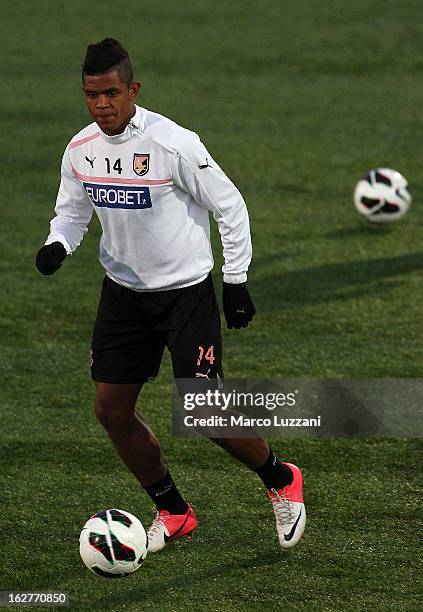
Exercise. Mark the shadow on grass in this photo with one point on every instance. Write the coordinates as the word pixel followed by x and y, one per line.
pixel 330 282
pixel 187 579
pixel 364 229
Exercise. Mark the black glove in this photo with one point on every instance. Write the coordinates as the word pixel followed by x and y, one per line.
pixel 50 257
pixel 237 305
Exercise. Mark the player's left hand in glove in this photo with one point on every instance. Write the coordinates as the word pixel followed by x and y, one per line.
pixel 237 305
pixel 50 257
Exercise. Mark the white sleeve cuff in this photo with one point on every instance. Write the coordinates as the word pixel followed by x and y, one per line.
pixel 235 279
pixel 52 239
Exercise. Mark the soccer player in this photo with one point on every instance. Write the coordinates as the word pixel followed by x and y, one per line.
pixel 152 184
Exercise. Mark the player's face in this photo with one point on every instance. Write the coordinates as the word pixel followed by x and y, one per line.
pixel 110 101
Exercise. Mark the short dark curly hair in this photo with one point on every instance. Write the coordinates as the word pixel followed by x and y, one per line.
pixel 106 56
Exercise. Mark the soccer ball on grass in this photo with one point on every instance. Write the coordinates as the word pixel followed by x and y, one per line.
pixel 113 543
pixel 382 196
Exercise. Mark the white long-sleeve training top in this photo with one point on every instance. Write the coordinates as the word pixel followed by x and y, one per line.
pixel 152 188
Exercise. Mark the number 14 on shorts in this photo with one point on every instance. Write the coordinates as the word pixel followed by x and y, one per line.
pixel 208 355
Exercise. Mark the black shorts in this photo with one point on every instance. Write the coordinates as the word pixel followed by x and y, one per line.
pixel 132 329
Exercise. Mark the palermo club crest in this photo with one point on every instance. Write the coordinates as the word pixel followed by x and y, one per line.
pixel 141 163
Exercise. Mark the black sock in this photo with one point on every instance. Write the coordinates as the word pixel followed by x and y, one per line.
pixel 274 474
pixel 166 496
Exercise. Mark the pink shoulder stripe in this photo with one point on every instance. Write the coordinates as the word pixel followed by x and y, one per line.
pixel 120 181
pixel 77 143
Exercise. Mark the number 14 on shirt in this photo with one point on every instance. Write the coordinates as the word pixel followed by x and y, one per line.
pixel 117 166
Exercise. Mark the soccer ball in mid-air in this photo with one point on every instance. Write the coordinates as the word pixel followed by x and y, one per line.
pixel 382 196
pixel 113 543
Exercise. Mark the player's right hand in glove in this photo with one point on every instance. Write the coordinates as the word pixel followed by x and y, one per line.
pixel 50 257
pixel 237 305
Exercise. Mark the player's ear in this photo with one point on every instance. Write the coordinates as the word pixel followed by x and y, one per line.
pixel 134 89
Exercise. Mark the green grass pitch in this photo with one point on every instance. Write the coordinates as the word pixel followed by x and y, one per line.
pixel 296 101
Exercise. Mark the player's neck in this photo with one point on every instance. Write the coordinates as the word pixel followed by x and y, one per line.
pixel 124 125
